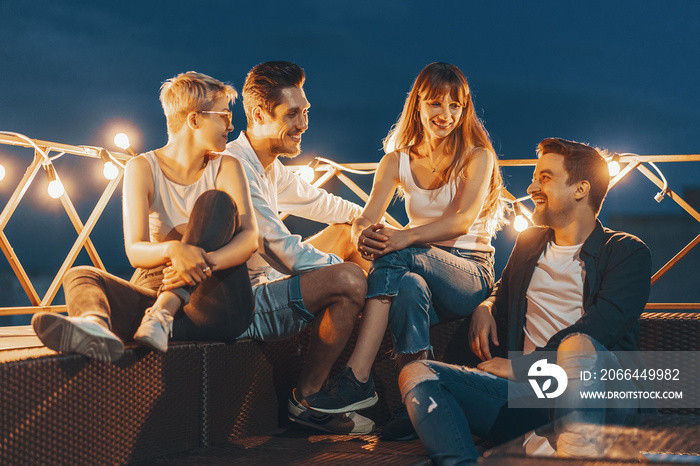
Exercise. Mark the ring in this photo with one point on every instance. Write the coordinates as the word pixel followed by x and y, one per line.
pixel 206 269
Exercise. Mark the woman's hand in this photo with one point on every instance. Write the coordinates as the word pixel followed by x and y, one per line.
pixel 379 239
pixel 396 239
pixel 172 278
pixel 189 265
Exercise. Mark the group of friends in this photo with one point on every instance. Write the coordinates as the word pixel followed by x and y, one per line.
pixel 214 260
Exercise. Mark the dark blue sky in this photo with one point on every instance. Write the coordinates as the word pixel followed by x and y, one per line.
pixel 621 75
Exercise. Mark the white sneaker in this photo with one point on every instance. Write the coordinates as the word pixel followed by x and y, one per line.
pixel 77 335
pixel 581 440
pixel 155 328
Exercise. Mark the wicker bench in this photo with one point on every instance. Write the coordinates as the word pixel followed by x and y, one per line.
pixel 68 409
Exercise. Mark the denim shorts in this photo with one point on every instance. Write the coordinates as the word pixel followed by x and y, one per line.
pixel 280 312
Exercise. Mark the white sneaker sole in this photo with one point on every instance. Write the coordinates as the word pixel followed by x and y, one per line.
pixel 366 403
pixel 151 343
pixel 60 334
pixel 328 422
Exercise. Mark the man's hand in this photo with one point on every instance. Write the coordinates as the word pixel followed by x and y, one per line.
pixel 371 243
pixel 496 366
pixel 482 327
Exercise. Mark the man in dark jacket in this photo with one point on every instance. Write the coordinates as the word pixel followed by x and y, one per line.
pixel 570 287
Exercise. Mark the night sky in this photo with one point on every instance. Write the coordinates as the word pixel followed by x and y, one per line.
pixel 619 75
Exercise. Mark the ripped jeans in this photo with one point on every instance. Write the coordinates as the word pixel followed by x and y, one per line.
pixel 448 403
pixel 428 285
pixel 454 402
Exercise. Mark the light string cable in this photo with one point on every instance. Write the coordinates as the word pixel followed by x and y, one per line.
pixel 660 195
pixel 344 168
pixel 31 143
pixel 102 151
pixel 55 188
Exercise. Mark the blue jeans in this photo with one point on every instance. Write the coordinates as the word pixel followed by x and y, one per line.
pixel 460 401
pixel 454 402
pixel 429 285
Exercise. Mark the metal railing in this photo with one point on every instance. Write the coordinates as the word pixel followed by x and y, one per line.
pixel 327 169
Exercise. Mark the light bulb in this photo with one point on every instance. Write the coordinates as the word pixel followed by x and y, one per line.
pixel 122 141
pixel 614 167
pixel 56 189
pixel 2 172
pixel 307 174
pixel 520 223
pixel 110 170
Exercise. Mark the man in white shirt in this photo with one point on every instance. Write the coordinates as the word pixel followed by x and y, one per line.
pixel 297 283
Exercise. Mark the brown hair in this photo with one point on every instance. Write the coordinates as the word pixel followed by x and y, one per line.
pixel 434 81
pixel 581 162
pixel 264 83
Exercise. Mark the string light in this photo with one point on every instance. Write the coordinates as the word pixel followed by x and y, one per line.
pixel 614 165
pixel 308 172
pixel 55 188
pixel 121 140
pixel 520 223
pixel 110 170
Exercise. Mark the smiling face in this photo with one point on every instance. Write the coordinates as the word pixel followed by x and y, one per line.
pixel 554 198
pixel 439 116
pixel 289 120
pixel 214 127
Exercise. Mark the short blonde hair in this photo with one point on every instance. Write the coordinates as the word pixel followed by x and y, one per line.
pixel 191 92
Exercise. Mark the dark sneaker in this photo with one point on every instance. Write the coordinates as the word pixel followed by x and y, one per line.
pixel 344 393
pixel 399 427
pixel 77 335
pixel 343 424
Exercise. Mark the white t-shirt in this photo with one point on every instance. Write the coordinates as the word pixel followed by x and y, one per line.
pixel 555 294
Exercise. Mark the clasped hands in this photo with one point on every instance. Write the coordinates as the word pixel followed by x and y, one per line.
pixel 188 265
pixel 379 239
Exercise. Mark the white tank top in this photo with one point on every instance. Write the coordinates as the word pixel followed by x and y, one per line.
pixel 172 202
pixel 424 206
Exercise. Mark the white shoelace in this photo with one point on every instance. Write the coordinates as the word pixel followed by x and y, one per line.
pixel 164 318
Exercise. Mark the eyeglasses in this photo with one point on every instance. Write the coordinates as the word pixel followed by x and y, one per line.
pixel 227 115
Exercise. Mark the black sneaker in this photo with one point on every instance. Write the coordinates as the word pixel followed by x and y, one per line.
pixel 344 393
pixel 344 424
pixel 399 427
